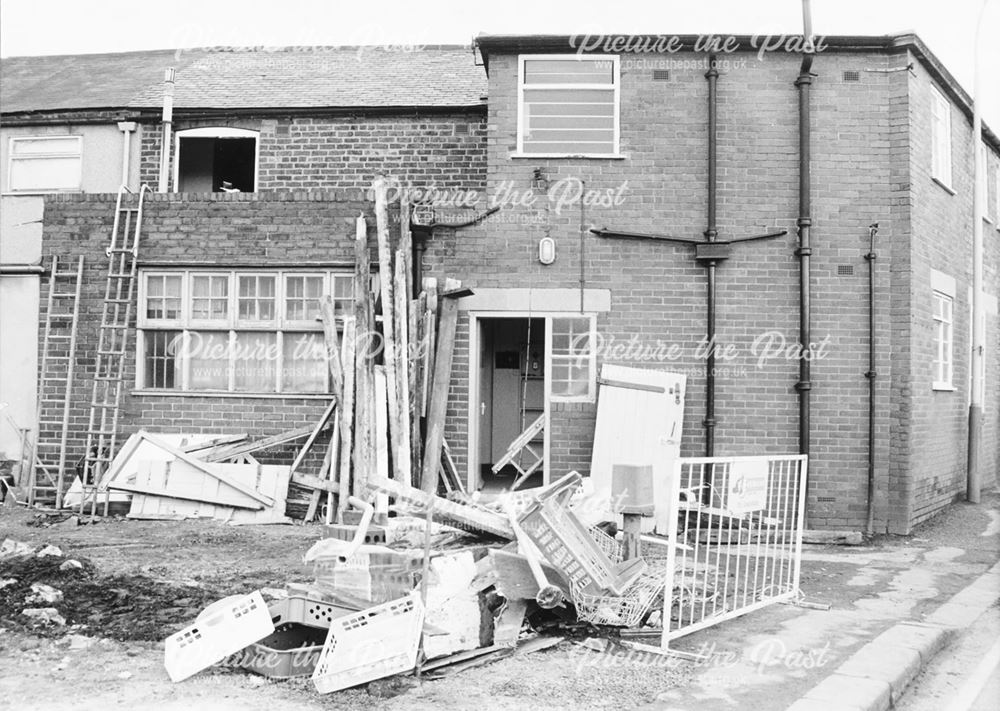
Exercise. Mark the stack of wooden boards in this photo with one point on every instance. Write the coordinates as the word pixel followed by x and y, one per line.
pixel 390 367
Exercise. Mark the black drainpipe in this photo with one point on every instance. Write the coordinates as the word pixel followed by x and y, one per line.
pixel 803 82
pixel 711 233
pixel 872 230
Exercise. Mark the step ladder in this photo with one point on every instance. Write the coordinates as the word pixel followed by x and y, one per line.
pixel 523 443
pixel 55 384
pixel 112 346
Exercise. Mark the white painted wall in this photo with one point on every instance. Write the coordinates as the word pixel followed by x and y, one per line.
pixel 20 243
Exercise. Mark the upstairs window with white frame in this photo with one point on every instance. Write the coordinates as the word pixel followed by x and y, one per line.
pixel 940 138
pixel 944 306
pixel 236 331
pixel 568 105
pixel 573 359
pixel 43 164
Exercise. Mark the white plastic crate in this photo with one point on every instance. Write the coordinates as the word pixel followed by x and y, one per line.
pixel 371 644
pixel 223 628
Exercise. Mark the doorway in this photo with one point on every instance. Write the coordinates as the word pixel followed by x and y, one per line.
pixel 511 388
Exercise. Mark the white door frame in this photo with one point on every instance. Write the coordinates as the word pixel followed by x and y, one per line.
pixel 472 453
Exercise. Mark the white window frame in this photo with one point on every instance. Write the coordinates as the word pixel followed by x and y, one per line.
pixel 944 342
pixel 12 158
pixel 217 132
pixel 233 325
pixel 614 59
pixel 941 137
pixel 591 394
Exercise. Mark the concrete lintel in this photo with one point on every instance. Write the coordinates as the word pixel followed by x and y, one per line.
pixel 540 300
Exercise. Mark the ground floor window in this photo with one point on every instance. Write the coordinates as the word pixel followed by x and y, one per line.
pixel 236 331
pixel 943 340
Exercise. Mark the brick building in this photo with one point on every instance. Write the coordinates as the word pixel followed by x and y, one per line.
pixel 568 142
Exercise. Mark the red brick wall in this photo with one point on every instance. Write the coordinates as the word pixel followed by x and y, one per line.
pixel 240 229
pixel 658 291
pixel 942 240
pixel 447 150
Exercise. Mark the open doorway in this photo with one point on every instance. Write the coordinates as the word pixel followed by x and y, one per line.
pixel 212 160
pixel 511 398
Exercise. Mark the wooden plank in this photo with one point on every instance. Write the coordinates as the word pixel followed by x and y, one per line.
pixel 417 349
pixel 315 433
pixel 403 453
pixel 167 493
pixel 346 417
pixel 215 442
pixel 630 386
pixel 438 407
pixel 430 330
pixel 363 445
pixel 329 462
pixel 454 514
pixel 242 448
pixel 314 482
pixel 390 345
pixel 381 423
pixel 211 471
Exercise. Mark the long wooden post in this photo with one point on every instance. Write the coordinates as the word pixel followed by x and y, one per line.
pixel 346 417
pixel 391 351
pixel 403 371
pixel 438 407
pixel 363 445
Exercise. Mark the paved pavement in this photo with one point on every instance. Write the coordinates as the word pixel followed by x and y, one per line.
pixel 894 605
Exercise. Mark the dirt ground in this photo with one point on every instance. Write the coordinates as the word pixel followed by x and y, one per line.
pixel 143 580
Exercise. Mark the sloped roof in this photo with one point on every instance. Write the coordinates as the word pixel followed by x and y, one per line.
pixel 240 79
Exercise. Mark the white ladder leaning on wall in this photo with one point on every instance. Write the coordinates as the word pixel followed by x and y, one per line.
pixel 112 346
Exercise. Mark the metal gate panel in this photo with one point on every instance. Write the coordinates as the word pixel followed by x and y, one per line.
pixel 739 522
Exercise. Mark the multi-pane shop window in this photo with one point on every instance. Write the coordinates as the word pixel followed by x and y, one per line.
pixel 573 358
pixel 236 331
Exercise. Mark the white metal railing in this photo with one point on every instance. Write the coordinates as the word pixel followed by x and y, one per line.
pixel 740 520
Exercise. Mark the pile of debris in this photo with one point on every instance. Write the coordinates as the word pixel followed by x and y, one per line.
pixel 393 595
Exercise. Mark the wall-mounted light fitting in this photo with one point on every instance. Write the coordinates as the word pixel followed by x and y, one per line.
pixel 546 250
pixel 539 181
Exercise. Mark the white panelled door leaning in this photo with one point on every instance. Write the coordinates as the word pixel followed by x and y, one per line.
pixel 639 418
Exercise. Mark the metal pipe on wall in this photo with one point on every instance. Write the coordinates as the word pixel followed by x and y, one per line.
pixel 711 233
pixel 168 117
pixel 126 127
pixel 870 375
pixel 804 223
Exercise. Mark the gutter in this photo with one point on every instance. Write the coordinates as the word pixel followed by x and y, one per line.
pixel 803 82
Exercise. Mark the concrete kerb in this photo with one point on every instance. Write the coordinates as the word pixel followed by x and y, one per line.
pixel 874 678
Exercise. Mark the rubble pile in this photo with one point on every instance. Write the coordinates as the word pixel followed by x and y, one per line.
pixel 49 594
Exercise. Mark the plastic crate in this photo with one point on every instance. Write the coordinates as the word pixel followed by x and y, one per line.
pixel 621 611
pixel 371 644
pixel 304 610
pixel 567 545
pixel 224 627
pixel 292 650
